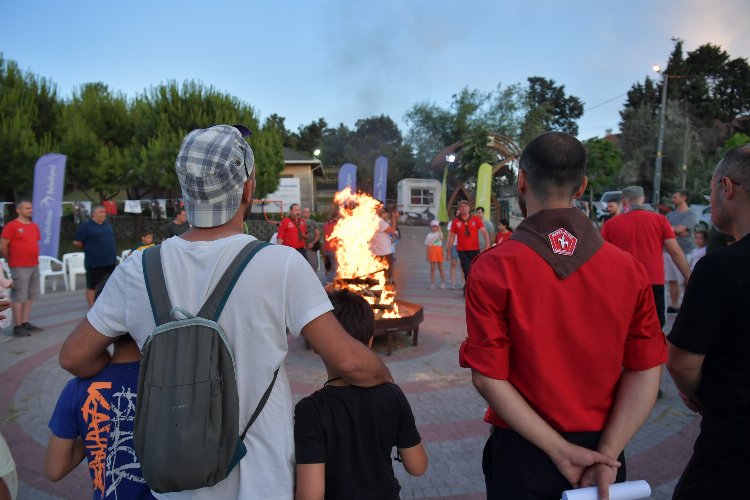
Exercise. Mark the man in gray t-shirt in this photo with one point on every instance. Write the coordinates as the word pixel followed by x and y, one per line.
pixel 683 221
pixel 312 240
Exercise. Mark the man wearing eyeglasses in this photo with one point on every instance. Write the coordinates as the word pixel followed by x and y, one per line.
pixel 466 228
pixel 644 234
pixel 569 362
pixel 709 345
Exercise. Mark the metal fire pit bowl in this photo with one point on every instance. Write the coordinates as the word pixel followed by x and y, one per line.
pixel 411 316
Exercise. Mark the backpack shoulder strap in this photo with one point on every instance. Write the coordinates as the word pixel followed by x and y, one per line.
pixel 261 404
pixel 153 274
pixel 218 298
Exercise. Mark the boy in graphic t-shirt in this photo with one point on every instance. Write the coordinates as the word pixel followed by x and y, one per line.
pixel 94 419
pixel 344 435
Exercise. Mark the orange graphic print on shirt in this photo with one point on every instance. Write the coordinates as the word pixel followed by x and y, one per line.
pixel 98 430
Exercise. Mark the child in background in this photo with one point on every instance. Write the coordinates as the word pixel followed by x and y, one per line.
pixel 504 231
pixel 454 261
pixel 94 419
pixel 344 435
pixel 147 241
pixel 434 243
pixel 701 238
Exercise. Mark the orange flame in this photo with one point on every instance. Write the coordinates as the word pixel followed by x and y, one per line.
pixel 358 222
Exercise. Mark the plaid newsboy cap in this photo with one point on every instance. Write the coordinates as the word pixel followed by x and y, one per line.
pixel 212 167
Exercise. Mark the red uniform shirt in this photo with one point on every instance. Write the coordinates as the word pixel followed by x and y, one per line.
pixel 23 246
pixel 503 237
pixel 289 233
pixel 467 232
pixel 327 231
pixel 642 234
pixel 562 343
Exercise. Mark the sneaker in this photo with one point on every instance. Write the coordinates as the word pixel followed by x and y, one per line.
pixel 673 310
pixel 432 286
pixel 32 328
pixel 442 286
pixel 20 331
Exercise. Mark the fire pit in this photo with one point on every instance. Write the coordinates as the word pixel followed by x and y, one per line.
pixel 362 272
pixel 411 317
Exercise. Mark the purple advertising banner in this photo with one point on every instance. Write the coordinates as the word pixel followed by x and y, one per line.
pixel 380 180
pixel 348 177
pixel 49 177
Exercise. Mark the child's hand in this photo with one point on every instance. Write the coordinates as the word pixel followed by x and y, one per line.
pixel 4 304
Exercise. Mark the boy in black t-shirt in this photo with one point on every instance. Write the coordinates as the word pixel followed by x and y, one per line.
pixel 344 435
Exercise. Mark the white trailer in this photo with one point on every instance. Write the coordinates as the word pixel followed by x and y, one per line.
pixel 420 197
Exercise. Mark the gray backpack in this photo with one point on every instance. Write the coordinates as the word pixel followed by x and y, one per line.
pixel 187 411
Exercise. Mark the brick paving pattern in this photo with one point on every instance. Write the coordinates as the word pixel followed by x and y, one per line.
pixel 447 408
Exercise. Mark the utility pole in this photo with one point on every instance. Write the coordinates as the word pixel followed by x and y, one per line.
pixel 660 146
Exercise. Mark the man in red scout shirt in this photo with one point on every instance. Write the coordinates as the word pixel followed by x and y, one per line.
pixel 563 339
pixel 644 233
pixel 292 230
pixel 466 228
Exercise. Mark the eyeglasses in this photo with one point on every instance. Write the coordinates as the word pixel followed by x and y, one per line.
pixel 706 193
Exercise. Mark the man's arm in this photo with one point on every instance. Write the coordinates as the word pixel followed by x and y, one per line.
pixel 634 400
pixel 451 237
pixel 63 455
pixel 4 242
pixel 674 251
pixel 686 369
pixel 311 482
pixel 84 353
pixel 486 237
pixel 77 244
pixel 507 402
pixel 414 459
pixel 351 359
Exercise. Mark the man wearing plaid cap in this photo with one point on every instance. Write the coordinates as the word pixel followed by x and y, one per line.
pixel 276 293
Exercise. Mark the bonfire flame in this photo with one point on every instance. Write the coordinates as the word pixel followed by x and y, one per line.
pixel 358 268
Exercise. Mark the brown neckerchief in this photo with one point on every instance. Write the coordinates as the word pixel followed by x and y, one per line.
pixel 539 230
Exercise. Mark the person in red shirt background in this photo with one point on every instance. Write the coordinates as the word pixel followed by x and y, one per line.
pixel 466 228
pixel 19 243
pixel 643 234
pixel 563 339
pixel 292 230
pixel 504 231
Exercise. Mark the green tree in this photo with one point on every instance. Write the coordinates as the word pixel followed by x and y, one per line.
pixel 604 164
pixel 561 111
pixel 29 112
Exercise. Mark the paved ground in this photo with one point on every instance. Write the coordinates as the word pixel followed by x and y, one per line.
pixel 448 410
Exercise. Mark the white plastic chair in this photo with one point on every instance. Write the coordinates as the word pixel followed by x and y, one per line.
pixel 5 265
pixel 73 266
pixel 46 271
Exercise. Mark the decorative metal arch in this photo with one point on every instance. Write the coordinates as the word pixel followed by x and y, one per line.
pixel 507 152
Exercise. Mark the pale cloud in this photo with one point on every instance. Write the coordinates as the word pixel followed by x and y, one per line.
pixel 722 22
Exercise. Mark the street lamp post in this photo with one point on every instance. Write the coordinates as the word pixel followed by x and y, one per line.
pixel 660 146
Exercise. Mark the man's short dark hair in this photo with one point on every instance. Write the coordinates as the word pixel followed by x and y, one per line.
pixel 354 314
pixel 19 203
pixel 736 166
pixel 554 164
pixel 480 208
pixel 682 192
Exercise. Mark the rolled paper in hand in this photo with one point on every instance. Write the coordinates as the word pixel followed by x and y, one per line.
pixel 629 490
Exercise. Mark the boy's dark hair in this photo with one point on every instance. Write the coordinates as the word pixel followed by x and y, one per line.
pixel 554 164
pixel 506 223
pixel 704 233
pixel 480 208
pixel 146 232
pixel 354 314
